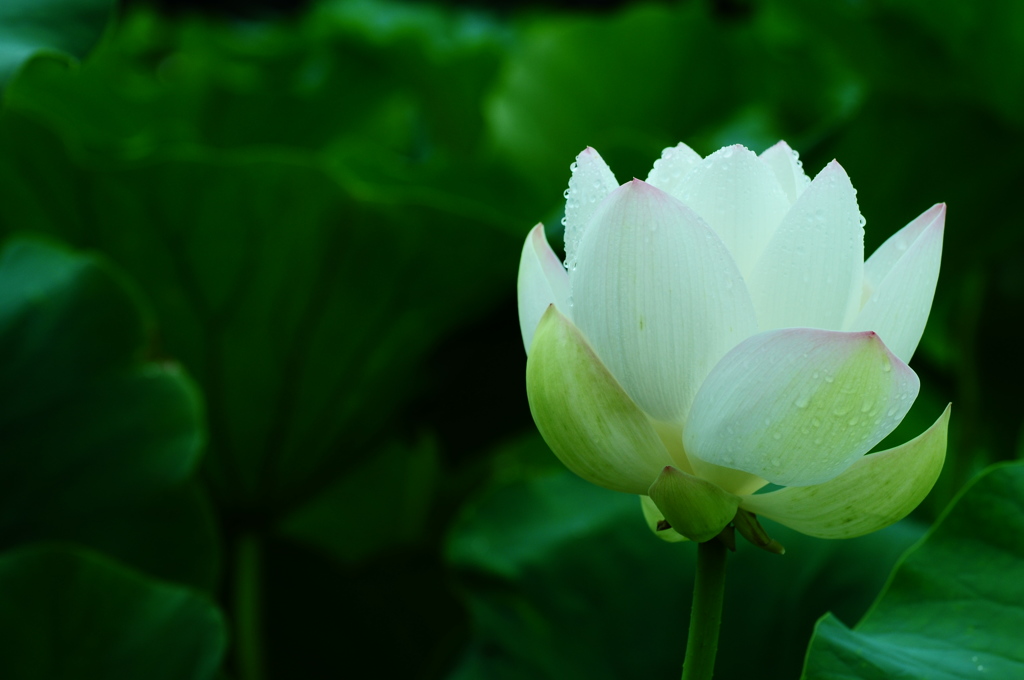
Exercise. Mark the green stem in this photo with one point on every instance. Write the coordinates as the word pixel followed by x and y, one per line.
pixel 248 638
pixel 706 615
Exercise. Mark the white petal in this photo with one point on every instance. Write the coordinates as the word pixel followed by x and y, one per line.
pixel 543 281
pixel 798 406
pixel 739 197
pixel 810 273
pixel 669 170
pixel 591 181
pixel 903 273
pixel 585 416
pixel 657 295
pixel 896 246
pixel 785 163
pixel 876 491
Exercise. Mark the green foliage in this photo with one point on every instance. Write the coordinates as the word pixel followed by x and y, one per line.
pixel 99 445
pixel 71 614
pixel 65 28
pixel 563 580
pixel 954 606
pixel 318 218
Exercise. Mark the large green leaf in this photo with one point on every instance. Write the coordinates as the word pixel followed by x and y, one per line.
pixel 954 606
pixel 61 26
pixel 72 615
pixel 301 285
pixel 97 444
pixel 384 503
pixel 563 580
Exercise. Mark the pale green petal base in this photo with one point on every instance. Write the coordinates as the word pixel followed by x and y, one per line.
pixel 583 413
pixel 653 516
pixel 694 507
pixel 878 490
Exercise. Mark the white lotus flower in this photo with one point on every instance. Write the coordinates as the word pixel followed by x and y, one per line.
pixel 716 328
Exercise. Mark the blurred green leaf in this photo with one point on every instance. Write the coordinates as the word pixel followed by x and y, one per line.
pixel 302 310
pixel 563 580
pixel 72 615
pixel 954 606
pixel 331 237
pixel 61 26
pixel 382 504
pixel 636 81
pixel 95 440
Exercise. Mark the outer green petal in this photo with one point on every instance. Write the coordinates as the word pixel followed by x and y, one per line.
pixel 878 490
pixel 583 413
pixel 653 516
pixel 694 507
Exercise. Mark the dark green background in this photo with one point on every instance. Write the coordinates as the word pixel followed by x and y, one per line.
pixel 309 219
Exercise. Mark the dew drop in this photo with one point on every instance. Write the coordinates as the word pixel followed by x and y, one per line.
pixel 776 462
pixel 853 421
pixel 801 401
pixel 776 436
pixel 829 379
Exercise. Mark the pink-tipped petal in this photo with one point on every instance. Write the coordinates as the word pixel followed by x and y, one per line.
pixel 785 163
pixel 543 281
pixel 591 181
pixel 810 273
pixel 739 197
pixel 900 283
pixel 658 296
pixel 798 406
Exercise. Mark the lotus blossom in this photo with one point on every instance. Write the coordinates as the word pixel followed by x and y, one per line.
pixel 715 328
